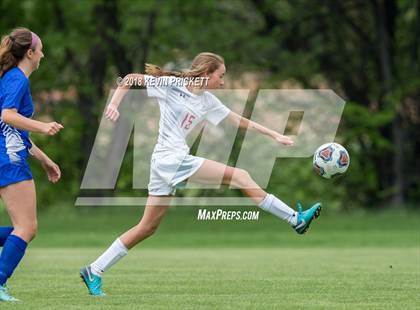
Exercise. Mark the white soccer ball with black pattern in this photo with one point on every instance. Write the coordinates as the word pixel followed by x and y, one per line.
pixel 331 160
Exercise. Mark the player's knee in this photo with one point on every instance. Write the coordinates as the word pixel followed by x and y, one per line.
pixel 241 178
pixel 148 229
pixel 32 230
pixel 26 231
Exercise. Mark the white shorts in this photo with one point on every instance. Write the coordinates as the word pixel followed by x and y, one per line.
pixel 168 169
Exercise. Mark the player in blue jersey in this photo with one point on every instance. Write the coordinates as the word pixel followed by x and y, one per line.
pixel 183 107
pixel 20 55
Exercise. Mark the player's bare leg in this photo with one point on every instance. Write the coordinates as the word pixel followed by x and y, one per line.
pixel 154 211
pixel 212 172
pixel 20 202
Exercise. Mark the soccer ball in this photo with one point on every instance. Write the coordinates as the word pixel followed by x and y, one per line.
pixel 331 160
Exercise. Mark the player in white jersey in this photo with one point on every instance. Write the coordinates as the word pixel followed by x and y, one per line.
pixel 181 110
pixel 182 107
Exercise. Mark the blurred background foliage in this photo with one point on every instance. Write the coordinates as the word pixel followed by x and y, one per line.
pixel 366 51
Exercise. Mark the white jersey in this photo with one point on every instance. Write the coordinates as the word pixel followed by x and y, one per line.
pixel 181 110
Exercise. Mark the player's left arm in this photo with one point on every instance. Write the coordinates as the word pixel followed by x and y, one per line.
pixel 247 124
pixel 50 167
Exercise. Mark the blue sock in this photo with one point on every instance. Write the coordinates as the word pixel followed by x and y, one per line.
pixel 4 233
pixel 13 251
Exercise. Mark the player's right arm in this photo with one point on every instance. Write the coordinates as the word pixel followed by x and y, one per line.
pixel 13 118
pixel 129 80
pixel 246 124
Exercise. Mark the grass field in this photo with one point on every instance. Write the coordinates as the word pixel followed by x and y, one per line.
pixel 346 261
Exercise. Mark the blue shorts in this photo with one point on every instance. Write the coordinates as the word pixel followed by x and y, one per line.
pixel 14 171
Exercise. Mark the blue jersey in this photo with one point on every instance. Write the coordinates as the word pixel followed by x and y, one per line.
pixel 14 94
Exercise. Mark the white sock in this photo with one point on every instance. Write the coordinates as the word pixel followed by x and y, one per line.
pixel 113 254
pixel 278 208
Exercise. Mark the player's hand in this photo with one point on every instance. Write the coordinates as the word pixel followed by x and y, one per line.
pixel 52 128
pixel 112 113
pixel 285 140
pixel 52 170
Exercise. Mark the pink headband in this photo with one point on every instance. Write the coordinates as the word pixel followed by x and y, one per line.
pixel 35 40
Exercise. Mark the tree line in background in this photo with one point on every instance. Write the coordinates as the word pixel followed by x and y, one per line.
pixel 366 51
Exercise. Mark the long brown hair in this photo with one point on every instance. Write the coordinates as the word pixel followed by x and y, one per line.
pixel 203 63
pixel 13 48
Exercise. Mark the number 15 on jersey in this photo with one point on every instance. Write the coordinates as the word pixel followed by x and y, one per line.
pixel 187 121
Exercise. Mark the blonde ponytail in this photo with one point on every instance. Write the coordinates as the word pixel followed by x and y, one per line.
pixel 203 63
pixel 157 71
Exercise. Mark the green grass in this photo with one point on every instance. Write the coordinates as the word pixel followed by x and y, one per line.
pixel 346 261
pixel 223 278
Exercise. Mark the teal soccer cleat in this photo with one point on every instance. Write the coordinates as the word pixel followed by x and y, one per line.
pixel 4 294
pixel 305 218
pixel 93 282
